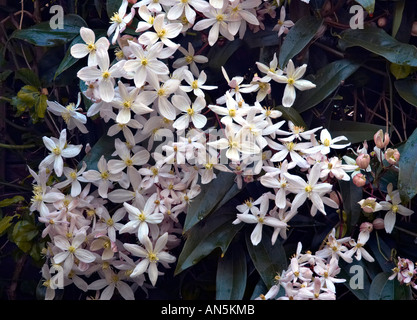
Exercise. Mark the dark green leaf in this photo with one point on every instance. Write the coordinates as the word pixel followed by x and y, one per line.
pixel 23 233
pixel 327 80
pixel 231 274
pixel 216 231
pixel 112 6
pixel 356 132
pixel 211 194
pixel 103 147
pixel 407 89
pixel 290 114
pixel 6 222
pixel 351 195
pixel 377 41
pixel 263 38
pixel 44 36
pixel 218 55
pixel 10 201
pixel 269 260
pixel 356 279
pixel 68 59
pixel 28 77
pixel 407 175
pixel 298 38
pixel 398 17
pixel 384 289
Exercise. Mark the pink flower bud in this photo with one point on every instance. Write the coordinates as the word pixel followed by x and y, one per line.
pixel 359 180
pixel 381 140
pixel 336 197
pixel 392 156
pixel 378 224
pixel 366 226
pixel 363 160
pixel 369 205
pixel 132 1
pixel 414 29
pixel 382 22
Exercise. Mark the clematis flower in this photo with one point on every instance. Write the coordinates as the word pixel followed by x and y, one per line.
pixel 142 219
pixel 293 80
pixel 59 150
pixel 191 113
pixel 196 85
pixel 104 74
pixel 163 32
pixel 190 58
pixel 120 20
pixel 282 25
pixel 151 255
pixel 90 48
pixel 182 6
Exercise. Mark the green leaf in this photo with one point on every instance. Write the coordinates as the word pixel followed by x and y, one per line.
pixel 41 105
pixel 103 147
pixel 400 71
pixel 356 132
pixel 10 201
pixel 298 38
pixel 68 60
pixel 351 272
pixel 262 38
pixel 398 17
pixel 23 233
pixel 290 114
pixel 219 55
pixel 377 41
pixel 384 289
pixel 269 260
pixel 407 175
pixel 6 222
pixel 44 36
pixel 231 274
pixel 368 5
pixel 28 77
pixel 216 231
pixel 112 6
pixel 407 89
pixel 327 80
pixel 351 195
pixel 211 194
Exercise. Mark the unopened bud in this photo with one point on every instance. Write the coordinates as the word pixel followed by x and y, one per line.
pixel 382 22
pixel 335 196
pixel 363 160
pixel 392 156
pixel 370 205
pixel 132 1
pixel 366 226
pixel 414 29
pixel 381 140
pixel 359 180
pixel 378 224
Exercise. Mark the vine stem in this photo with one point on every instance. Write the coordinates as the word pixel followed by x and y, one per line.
pixel 379 247
pixel 17 147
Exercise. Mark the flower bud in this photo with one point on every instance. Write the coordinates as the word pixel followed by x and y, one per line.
pixel 366 226
pixel 381 140
pixel 359 180
pixel 382 22
pixel 336 197
pixel 363 160
pixel 378 224
pixel 414 29
pixel 392 156
pixel 132 1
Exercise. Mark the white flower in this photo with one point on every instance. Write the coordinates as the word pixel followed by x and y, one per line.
pixel 328 272
pixel 293 80
pixel 196 86
pixel 216 19
pixel 184 6
pixel 148 19
pixel 74 177
pixel 393 208
pixel 141 220
pixel 231 111
pixel 190 58
pixel 328 142
pixel 259 217
pixel 241 13
pixel 163 32
pixel 191 113
pixel 126 159
pixel 282 25
pixel 235 142
pixel 70 114
pixel 357 247
pixel 59 150
pixel 128 102
pixel 72 250
pixel 312 189
pixel 272 68
pixel 90 47
pixel 104 74
pixel 277 181
pixel 119 21
pixel 146 65
pixel 110 282
pixel 151 255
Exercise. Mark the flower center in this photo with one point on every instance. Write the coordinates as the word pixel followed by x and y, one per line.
pixel 189 59
pixel 326 142
pixel 232 112
pixel 152 257
pixel 308 188
pixel 291 81
pixel 220 18
pixel 56 151
pixel 105 75
pixel 91 46
pixel 194 84
pixel 190 111
pixel 127 104
pixel 161 33
pixel 116 18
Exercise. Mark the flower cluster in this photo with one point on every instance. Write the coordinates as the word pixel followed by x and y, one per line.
pixel 113 224
pixel 405 271
pixel 313 276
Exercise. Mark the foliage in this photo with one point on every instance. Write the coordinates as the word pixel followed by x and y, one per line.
pixel 365 81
